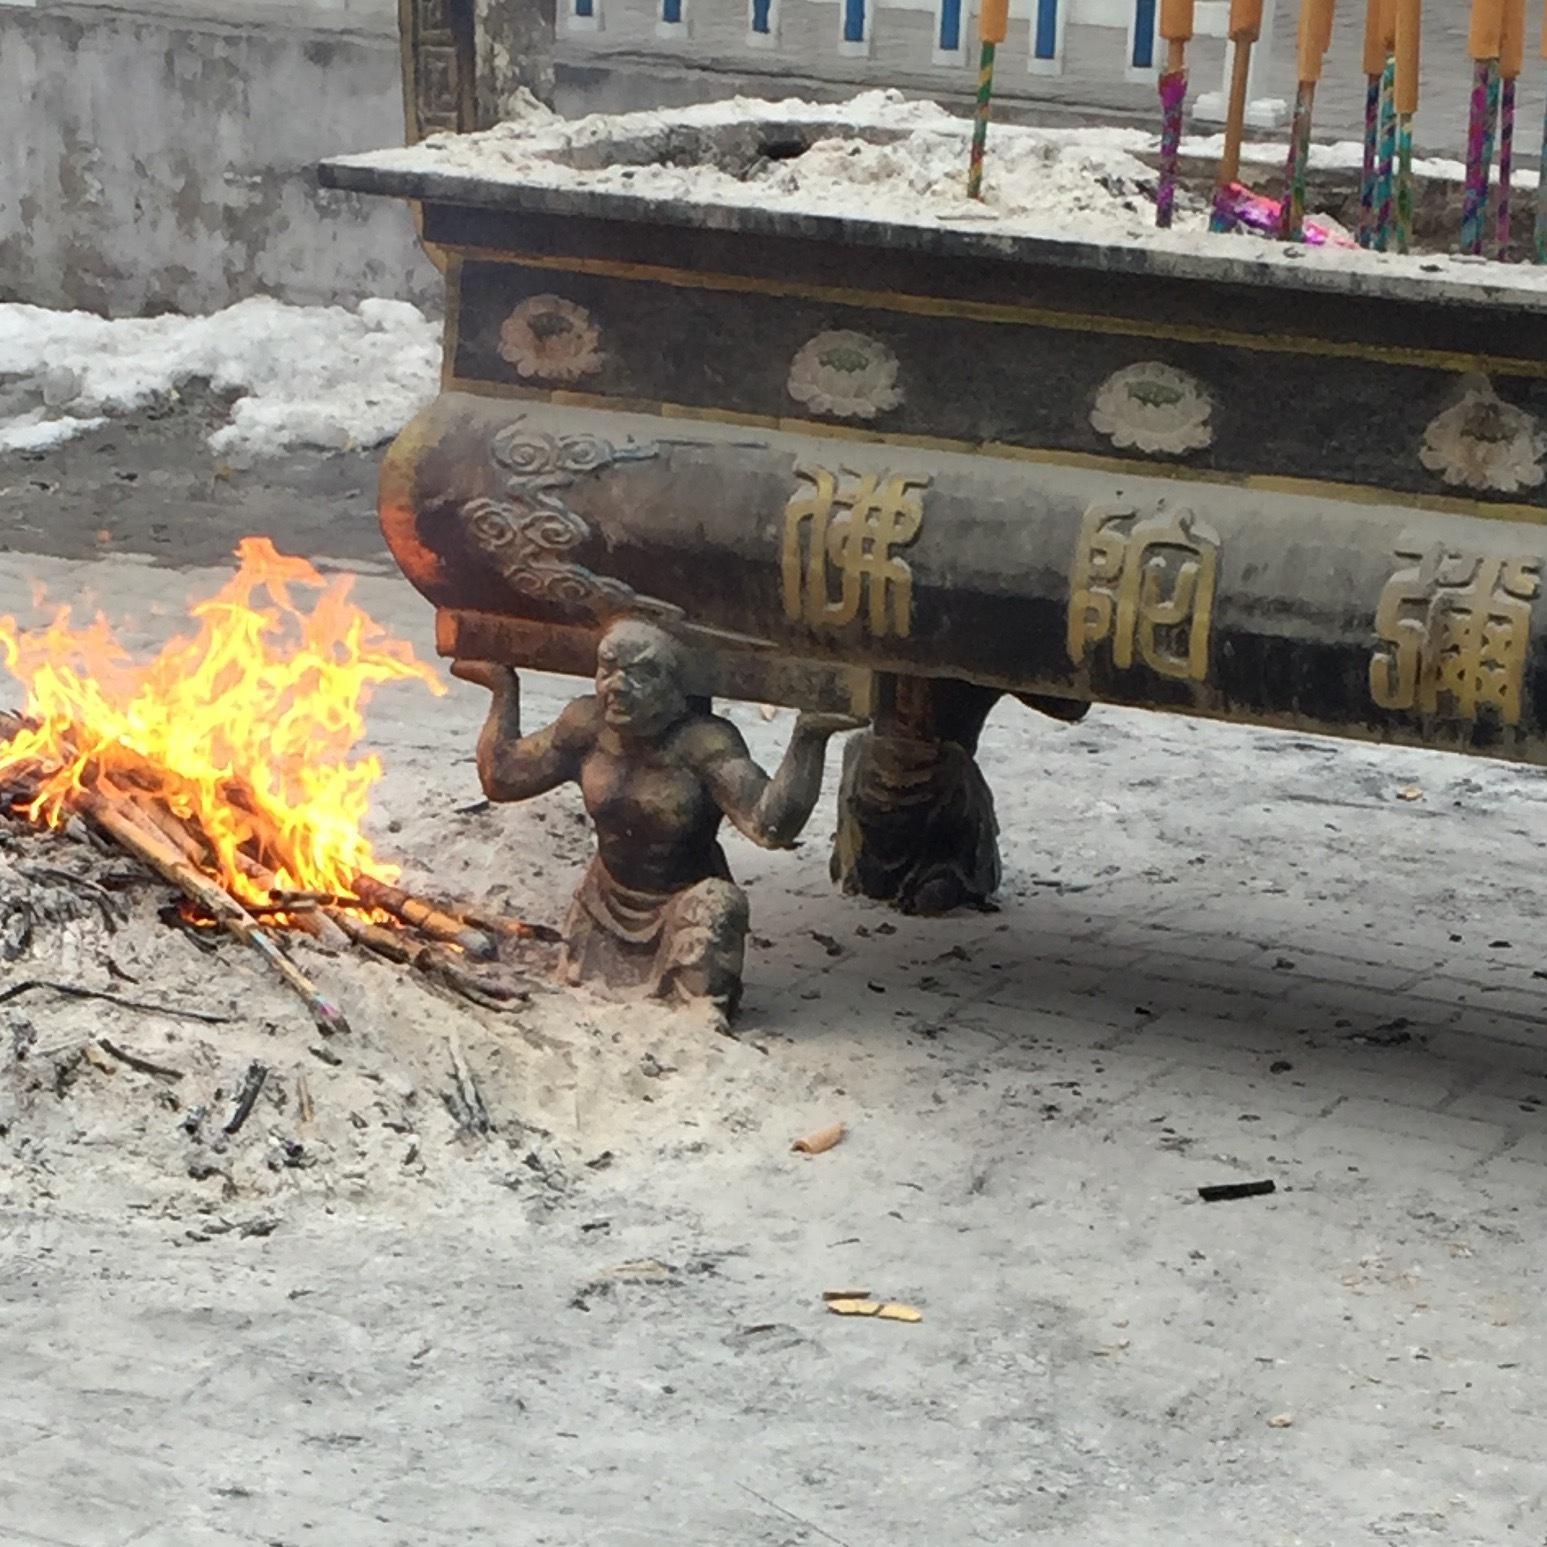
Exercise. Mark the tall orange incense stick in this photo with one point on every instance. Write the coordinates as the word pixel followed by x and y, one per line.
pixel 1315 38
pixel 1176 19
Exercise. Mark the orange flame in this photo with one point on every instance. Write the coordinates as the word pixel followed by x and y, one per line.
pixel 245 730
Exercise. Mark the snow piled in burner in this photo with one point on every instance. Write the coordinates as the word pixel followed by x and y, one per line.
pixel 1081 181
pixel 1082 184
pixel 319 376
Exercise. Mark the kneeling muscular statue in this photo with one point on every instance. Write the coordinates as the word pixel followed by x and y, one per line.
pixel 657 913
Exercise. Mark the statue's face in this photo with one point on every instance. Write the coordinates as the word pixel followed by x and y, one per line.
pixel 637 682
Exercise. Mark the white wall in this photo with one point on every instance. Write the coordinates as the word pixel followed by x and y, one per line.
pixel 154 157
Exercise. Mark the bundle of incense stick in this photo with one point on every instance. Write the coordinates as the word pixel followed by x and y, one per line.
pixel 1485 44
pixel 1315 37
pixel 1244 28
pixel 993 24
pixel 1176 19
pixel 1408 29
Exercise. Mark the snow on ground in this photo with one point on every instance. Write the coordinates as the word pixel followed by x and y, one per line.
pixel 317 376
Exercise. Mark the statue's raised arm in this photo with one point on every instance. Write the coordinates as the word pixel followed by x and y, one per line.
pixel 516 767
pixel 769 811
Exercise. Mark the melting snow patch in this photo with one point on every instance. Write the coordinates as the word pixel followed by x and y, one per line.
pixel 320 376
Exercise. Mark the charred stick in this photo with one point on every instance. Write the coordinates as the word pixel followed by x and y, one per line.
pixel 476 987
pixel 134 1061
pixel 75 991
pixel 1226 1192
pixel 389 943
pixel 502 924
pixel 425 917
pixel 465 1102
pixel 440 965
pixel 247 1096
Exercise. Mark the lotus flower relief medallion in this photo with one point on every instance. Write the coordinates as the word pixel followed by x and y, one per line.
pixel 845 375
pixel 549 339
pixel 1155 408
pixel 1483 443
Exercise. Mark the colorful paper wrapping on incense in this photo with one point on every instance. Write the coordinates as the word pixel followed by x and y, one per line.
pixel 1485 42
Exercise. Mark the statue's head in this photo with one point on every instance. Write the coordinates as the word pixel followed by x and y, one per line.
pixel 639 678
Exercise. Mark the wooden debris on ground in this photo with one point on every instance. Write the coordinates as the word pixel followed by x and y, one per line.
pixel 78 991
pixel 821 1141
pixel 881 1310
pixel 465 1100
pixel 135 1061
pixel 1228 1192
pixel 247 1097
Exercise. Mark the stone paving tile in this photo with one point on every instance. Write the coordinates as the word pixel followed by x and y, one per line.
pixel 61 1511
pixel 188 1533
pixel 1386 1136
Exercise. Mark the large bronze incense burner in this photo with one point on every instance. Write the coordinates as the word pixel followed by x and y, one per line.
pixel 900 470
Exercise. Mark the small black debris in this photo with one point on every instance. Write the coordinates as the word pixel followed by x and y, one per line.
pixel 1392 1033
pixel 1228 1192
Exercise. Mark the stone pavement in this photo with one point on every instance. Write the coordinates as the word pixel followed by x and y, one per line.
pixel 1223 955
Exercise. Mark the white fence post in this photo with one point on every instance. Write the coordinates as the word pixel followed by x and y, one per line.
pixel 1261 112
pixel 1143 40
pixel 1045 55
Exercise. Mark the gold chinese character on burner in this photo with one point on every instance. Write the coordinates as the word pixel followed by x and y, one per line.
pixel 845 527
pixel 1455 630
pixel 1146 585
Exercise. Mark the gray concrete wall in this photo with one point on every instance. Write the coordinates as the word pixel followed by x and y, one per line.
pixel 155 158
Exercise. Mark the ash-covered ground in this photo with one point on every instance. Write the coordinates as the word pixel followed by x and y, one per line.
pixel 1223 955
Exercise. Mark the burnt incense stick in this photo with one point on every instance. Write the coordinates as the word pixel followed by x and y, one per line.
pixel 1176 22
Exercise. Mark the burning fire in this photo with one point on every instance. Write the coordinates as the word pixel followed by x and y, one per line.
pixel 244 730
